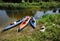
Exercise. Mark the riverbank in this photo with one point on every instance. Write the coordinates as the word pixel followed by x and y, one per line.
pixel 33 5
pixel 52 32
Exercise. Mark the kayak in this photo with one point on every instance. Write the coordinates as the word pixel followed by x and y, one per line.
pixel 33 22
pixel 24 23
pixel 13 24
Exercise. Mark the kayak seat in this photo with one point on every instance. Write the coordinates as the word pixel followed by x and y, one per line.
pixel 18 21
pixel 25 21
pixel 33 21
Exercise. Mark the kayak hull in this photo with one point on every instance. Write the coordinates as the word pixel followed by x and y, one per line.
pixel 24 23
pixel 33 22
pixel 13 25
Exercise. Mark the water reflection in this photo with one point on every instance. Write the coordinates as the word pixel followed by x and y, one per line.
pixel 3 17
pixel 39 14
pixel 52 12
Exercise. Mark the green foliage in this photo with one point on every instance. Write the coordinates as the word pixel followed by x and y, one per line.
pixel 52 32
pixel 27 5
pixel 54 18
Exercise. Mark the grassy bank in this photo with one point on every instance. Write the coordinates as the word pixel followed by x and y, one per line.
pixel 52 32
pixel 53 18
pixel 33 5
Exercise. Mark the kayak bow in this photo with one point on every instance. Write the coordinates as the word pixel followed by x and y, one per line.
pixel 24 23
pixel 33 22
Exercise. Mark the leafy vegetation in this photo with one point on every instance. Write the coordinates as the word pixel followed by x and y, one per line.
pixel 26 5
pixel 52 18
pixel 29 4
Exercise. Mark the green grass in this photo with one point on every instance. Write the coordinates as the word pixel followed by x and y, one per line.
pixel 53 18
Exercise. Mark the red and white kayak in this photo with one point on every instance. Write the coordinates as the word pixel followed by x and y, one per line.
pixel 24 23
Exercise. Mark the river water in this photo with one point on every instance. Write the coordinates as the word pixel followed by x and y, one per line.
pixel 8 16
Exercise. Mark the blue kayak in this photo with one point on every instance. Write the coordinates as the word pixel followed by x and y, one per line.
pixel 33 22
pixel 13 25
